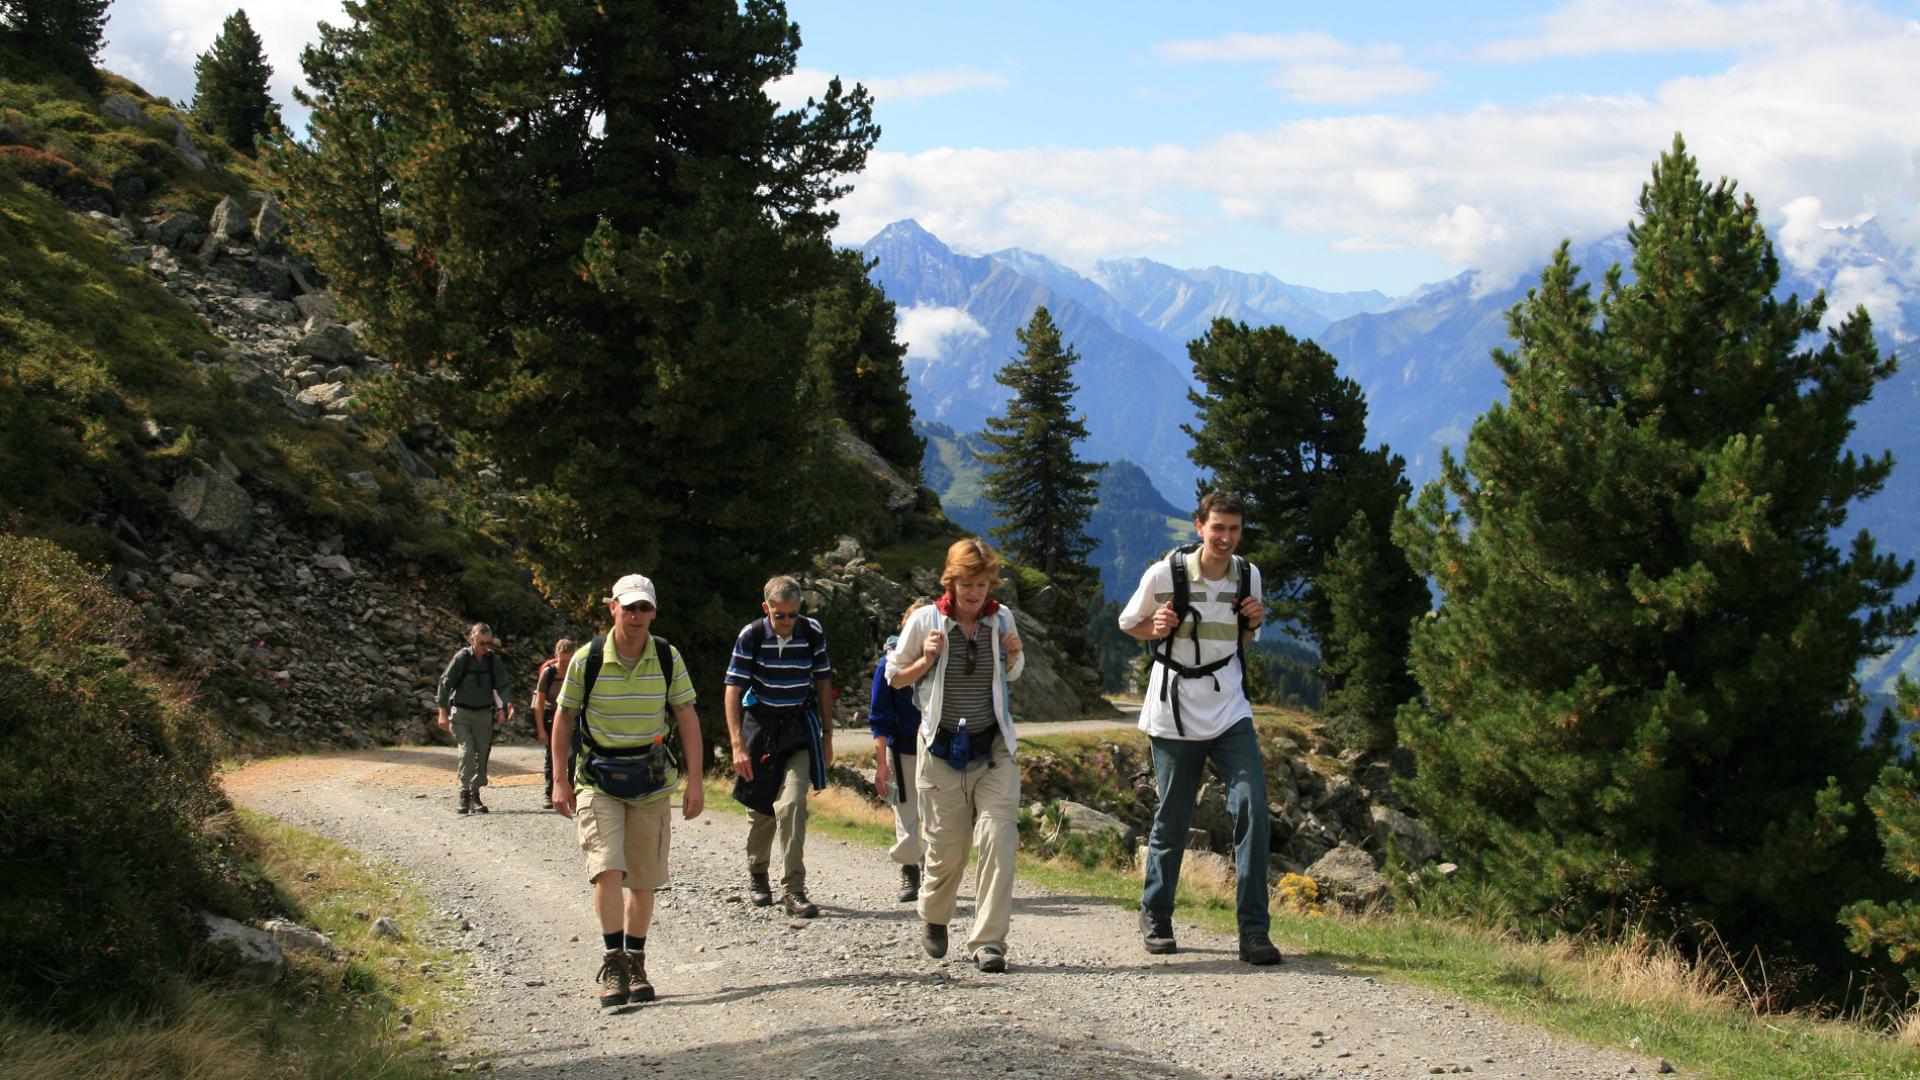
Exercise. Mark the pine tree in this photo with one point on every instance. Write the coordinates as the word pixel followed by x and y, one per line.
pixel 1367 680
pixel 1895 802
pixel 1279 425
pixel 1041 491
pixel 853 346
pixel 230 89
pixel 66 34
pixel 590 238
pixel 1639 691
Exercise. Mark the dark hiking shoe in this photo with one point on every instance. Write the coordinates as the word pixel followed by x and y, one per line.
pixel 478 806
pixel 614 984
pixel 466 802
pixel 639 989
pixel 935 940
pixel 991 959
pixel 909 884
pixel 796 904
pixel 1156 933
pixel 1258 949
pixel 762 888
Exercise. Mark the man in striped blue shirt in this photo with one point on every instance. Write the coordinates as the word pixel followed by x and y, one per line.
pixel 779 687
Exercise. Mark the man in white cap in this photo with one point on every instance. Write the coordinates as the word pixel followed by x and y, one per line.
pixel 620 686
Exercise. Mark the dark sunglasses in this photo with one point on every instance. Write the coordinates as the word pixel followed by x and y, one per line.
pixel 639 607
pixel 783 616
pixel 973 655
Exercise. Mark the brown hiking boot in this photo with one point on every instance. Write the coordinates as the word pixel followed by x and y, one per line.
pixel 762 888
pixel 909 883
pixel 615 987
pixel 466 802
pixel 933 938
pixel 796 904
pixel 639 989
pixel 478 806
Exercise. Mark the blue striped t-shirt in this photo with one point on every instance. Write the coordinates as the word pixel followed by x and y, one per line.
pixel 785 670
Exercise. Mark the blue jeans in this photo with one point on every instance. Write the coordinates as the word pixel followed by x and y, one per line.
pixel 1177 768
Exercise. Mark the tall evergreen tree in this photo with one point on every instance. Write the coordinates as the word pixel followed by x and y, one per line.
pixel 1282 427
pixel 1639 690
pixel 1042 492
pixel 853 346
pixel 590 220
pixel 66 34
pixel 230 88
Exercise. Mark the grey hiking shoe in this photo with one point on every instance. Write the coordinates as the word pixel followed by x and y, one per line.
pixel 991 959
pixel 761 888
pixel 934 939
pixel 478 806
pixel 613 979
pixel 796 904
pixel 909 883
pixel 1156 932
pixel 1257 948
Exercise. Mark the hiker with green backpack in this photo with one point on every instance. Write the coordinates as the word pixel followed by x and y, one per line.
pixel 1196 609
pixel 473 697
pixel 620 688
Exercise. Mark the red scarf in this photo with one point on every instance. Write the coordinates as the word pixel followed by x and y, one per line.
pixel 944 606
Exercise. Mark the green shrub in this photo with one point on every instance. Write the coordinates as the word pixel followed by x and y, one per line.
pixel 106 779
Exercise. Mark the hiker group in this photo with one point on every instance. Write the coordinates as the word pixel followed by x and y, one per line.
pixel 944 741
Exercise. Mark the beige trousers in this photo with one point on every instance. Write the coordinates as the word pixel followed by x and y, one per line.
pixel 907 848
pixel 979 807
pixel 788 821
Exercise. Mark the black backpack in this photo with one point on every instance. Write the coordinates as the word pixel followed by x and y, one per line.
pixel 1161 652
pixel 595 658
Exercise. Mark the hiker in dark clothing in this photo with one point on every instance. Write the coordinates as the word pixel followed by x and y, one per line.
pixel 546 692
pixel 473 697
pixel 895 722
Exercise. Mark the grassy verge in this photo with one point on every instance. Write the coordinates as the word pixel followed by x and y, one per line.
pixel 379 1008
pixel 1632 994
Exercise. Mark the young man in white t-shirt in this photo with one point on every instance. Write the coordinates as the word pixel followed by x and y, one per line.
pixel 1200 716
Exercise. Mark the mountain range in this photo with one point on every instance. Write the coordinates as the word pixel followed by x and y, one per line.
pixel 1423 360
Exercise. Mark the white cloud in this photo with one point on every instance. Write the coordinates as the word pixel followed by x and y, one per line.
pixel 155 42
pixel 1302 47
pixel 1589 27
pixel 927 330
pixel 921 84
pixel 792 91
pixel 1494 186
pixel 1345 84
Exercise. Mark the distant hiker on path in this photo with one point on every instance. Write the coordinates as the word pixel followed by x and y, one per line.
pixel 779 689
pixel 959 655
pixel 895 722
pixel 546 692
pixel 619 686
pixel 1196 710
pixel 471 700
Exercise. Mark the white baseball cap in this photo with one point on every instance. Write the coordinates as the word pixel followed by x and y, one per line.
pixel 634 587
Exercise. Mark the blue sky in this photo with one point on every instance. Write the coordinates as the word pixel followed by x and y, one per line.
pixel 1376 145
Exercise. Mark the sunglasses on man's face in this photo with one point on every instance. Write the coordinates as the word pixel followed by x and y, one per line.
pixel 783 616
pixel 638 607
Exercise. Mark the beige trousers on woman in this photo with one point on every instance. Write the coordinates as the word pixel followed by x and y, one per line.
pixel 979 807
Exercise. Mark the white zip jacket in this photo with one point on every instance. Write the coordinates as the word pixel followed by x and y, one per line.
pixel 927 691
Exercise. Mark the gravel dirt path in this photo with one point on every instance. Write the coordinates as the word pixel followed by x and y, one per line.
pixel 747 992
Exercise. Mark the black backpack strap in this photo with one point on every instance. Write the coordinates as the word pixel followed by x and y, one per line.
pixel 587 677
pixel 1239 640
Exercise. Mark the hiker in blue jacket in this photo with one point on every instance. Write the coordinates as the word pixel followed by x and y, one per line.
pixel 895 722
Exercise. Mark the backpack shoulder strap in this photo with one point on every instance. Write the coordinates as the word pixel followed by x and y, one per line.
pixel 588 674
pixel 1182 586
pixel 1245 590
pixel 664 652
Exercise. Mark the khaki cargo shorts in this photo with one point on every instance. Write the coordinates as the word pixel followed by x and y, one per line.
pixel 629 837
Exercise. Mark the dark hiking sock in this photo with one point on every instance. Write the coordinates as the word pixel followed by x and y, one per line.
pixel 636 944
pixel 612 940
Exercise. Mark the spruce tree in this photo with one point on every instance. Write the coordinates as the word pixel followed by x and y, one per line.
pixel 66 34
pixel 853 348
pixel 1041 491
pixel 590 238
pixel 230 88
pixel 1894 926
pixel 1282 427
pixel 1639 691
